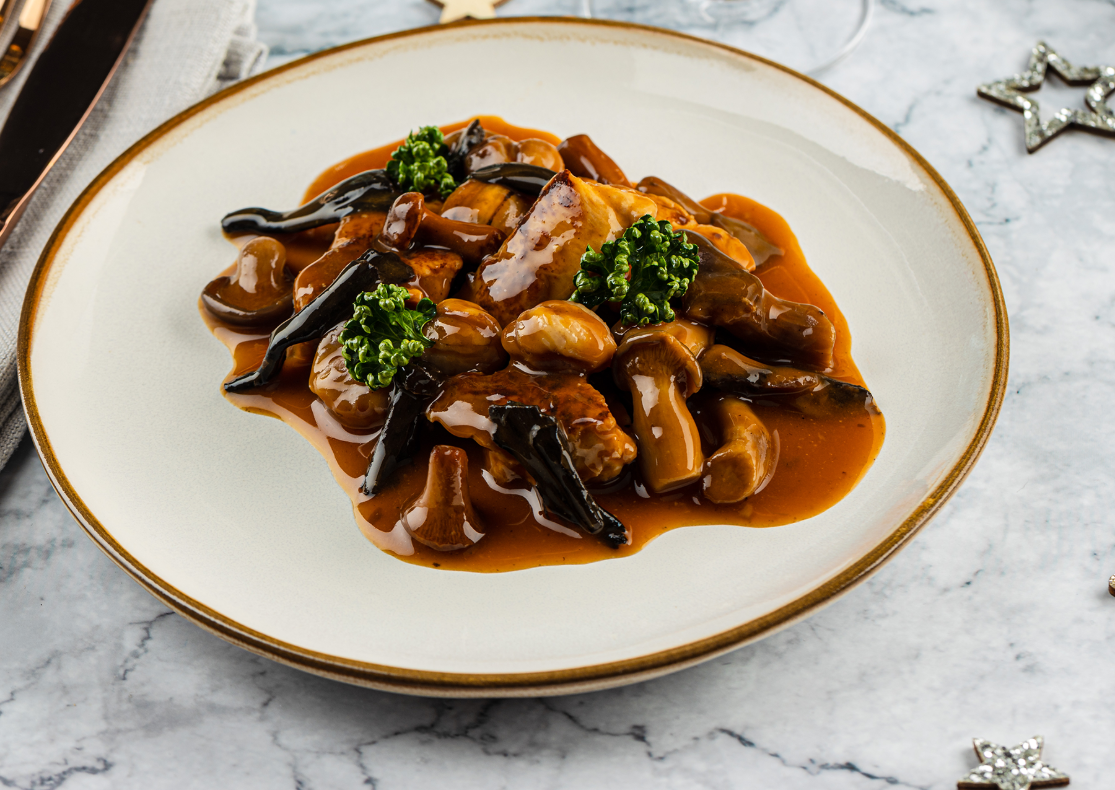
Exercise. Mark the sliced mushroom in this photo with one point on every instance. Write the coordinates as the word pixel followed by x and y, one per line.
pixel 559 335
pixel 465 339
pixel 442 516
pixel 325 311
pixel 811 393
pixel 354 404
pixel 583 158
pixel 259 292
pixel 661 372
pixel 725 294
pixel 745 458
pixel 760 247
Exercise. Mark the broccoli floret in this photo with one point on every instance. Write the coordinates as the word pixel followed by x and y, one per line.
pixel 642 270
pixel 420 163
pixel 383 334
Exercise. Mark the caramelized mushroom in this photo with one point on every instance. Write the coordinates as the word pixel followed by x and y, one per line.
pixel 442 516
pixel 725 294
pixel 465 339
pixel 355 405
pixel 745 458
pixel 696 337
pixel 810 393
pixel 486 204
pixel 559 335
pixel 660 372
pixel 258 292
pixel 499 149
pixel 760 247
pixel 583 159
pixel 539 153
pixel 409 221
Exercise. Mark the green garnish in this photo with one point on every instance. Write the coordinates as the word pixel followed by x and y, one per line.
pixel 420 163
pixel 383 334
pixel 643 270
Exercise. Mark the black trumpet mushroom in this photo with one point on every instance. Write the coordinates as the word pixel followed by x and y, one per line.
pixel 325 311
pixel 372 190
pixel 411 392
pixel 521 177
pixel 537 441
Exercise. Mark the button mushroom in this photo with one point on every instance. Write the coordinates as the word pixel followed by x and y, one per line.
pixel 465 339
pixel 745 459
pixel 259 292
pixel 661 372
pixel 811 393
pixel 559 335
pixel 499 149
pixel 355 405
pixel 442 516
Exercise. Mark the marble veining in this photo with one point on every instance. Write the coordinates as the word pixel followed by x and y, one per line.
pixel 994 623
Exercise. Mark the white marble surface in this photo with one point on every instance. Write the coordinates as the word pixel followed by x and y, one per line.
pixel 995 622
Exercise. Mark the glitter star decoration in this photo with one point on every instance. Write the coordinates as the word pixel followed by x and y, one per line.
pixel 1097 118
pixel 1017 768
pixel 452 10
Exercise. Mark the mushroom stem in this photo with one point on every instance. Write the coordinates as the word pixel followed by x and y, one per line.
pixel 442 516
pixel 670 453
pixel 471 240
pixel 537 441
pixel 325 311
pixel 367 191
pixel 745 459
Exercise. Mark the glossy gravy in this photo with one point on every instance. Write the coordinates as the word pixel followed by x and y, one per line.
pixel 819 460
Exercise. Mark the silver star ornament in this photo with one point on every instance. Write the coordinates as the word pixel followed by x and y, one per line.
pixel 1097 118
pixel 1017 768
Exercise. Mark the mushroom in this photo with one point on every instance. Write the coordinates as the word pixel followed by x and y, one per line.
pixel 323 312
pixel 745 459
pixel 442 516
pixel 760 247
pixel 537 441
pixel 258 292
pixel 500 149
pixel 583 159
pixel 372 190
pixel 661 372
pixel 354 404
pixel 528 179
pixel 409 221
pixel 811 393
pixel 487 204
pixel 559 335
pixel 725 294
pixel 466 338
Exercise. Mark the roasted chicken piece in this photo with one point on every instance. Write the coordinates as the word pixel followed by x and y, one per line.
pixel 726 295
pixel 599 447
pixel 538 260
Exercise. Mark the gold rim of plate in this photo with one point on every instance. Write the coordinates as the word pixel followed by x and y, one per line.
pixel 448 684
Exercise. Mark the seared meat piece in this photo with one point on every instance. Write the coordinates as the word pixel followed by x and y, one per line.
pixel 600 448
pixel 537 262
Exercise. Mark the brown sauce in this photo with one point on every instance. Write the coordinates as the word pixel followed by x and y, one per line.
pixel 819 460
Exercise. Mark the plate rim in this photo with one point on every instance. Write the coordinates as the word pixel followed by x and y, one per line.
pixel 561 681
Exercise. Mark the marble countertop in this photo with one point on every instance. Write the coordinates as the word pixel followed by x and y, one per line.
pixel 995 622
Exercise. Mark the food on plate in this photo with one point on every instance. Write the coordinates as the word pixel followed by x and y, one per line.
pixel 512 355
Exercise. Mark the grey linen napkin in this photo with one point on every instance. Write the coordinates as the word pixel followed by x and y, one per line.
pixel 185 50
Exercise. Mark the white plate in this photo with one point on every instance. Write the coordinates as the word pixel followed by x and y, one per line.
pixel 235 521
